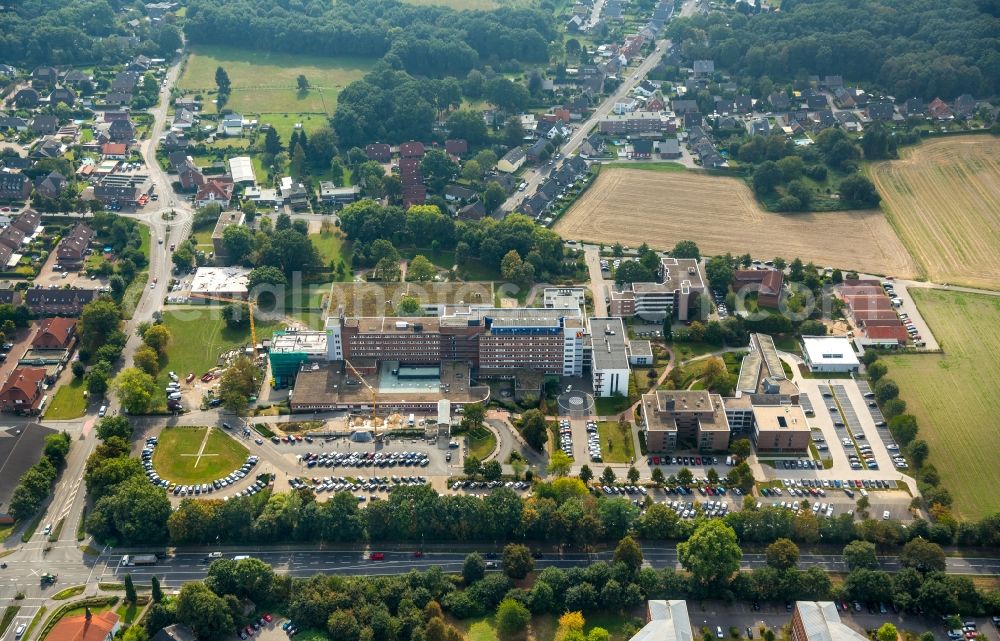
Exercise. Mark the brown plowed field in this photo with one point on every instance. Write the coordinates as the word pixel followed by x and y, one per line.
pixel 721 215
pixel 943 198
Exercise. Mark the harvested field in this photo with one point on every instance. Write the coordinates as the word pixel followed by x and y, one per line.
pixel 943 198
pixel 721 215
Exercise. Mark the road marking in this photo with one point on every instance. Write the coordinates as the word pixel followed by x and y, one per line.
pixel 201 450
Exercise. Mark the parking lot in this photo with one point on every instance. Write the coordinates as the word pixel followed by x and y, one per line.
pixel 52 274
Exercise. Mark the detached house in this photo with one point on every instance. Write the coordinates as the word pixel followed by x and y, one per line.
pixel 51 186
pixel 22 393
pixel 512 160
pixel 72 249
pixel 62 94
pixel 55 333
pixel 216 190
pixel 27 98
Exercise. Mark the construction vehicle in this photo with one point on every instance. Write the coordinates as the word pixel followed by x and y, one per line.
pixel 250 306
pixel 370 389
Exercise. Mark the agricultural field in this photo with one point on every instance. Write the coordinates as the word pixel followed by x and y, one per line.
pixel 374 299
pixel 721 215
pixel 196 454
pixel 953 395
pixel 266 82
pixel 943 198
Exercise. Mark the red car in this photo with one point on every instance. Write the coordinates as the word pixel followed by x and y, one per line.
pixel 418 554
pixel 248 630
pixel 697 460
pixel 377 556
pixel 656 460
pixel 268 617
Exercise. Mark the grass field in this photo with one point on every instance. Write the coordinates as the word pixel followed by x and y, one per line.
pixel 646 166
pixel 199 336
pixel 943 198
pixel 266 82
pixel 176 456
pixel 953 395
pixel 481 443
pixel 68 402
pixel 616 444
pixel 330 245
pixel 721 215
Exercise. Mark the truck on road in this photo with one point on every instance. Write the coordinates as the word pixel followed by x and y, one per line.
pixel 139 559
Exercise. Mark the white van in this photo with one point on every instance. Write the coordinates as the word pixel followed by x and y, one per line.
pixel 104 410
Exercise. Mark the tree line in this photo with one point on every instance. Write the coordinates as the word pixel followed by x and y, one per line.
pixel 35 485
pixel 411 606
pixel 426 40
pixel 920 48
pixel 59 33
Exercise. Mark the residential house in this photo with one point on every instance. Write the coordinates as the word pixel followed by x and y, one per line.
pixel 683 106
pixel 456 146
pixel 27 98
pixel 188 174
pixel 22 392
pixel 779 101
pixel 176 631
pixel 759 127
pixel 174 141
pixel 10 297
pixel 512 160
pixel 704 68
pixel 114 151
pixel 226 219
pixel 939 110
pixel 642 149
pixel 58 302
pixel 72 249
pixel 574 24
pixel 14 186
pixel 534 206
pixel 379 152
pixel 121 131
pixel 125 82
pixel 539 150
pixel 76 77
pixel 184 119
pixel 47 148
pixel 52 185
pixel 693 119
pixel 669 149
pixel 122 190
pixel 881 110
pixel 44 76
pixel 7 71
pixel 742 104
pixel 118 98
pixel 12 237
pixel 231 124
pixel 113 115
pixel 412 150
pixel 965 106
pixel 549 190
pixel 13 123
pixel 330 194
pixel 64 95
pixel 472 212
pixel 56 332
pixel 816 101
pixel 140 64
pixel 454 193
pixel 28 221
pixel 215 190
pixel 913 107
pixel 655 104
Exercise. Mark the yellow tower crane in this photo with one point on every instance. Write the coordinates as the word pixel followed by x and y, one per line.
pixel 370 389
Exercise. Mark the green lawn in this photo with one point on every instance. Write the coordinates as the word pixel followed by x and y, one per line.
pixel 330 246
pixel 649 166
pixel 606 406
pixel 68 402
pixel 128 612
pixel 953 395
pixel 266 82
pixel 481 443
pixel 616 445
pixel 175 458
pixel 284 123
pixel 199 336
pixel 133 293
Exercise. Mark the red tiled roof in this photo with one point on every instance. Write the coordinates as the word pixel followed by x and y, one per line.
pixel 79 628
pixel 881 333
pixel 113 149
pixel 24 380
pixel 59 328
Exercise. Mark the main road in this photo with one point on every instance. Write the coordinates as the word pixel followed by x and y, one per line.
pixel 536 176
pixel 169 220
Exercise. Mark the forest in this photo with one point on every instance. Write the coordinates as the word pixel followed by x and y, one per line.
pixel 431 41
pixel 60 33
pixel 907 48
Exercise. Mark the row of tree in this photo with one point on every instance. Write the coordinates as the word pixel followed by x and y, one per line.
pixel 907 48
pixel 35 485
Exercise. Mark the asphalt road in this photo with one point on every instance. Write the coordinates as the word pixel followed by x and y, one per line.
pixel 536 176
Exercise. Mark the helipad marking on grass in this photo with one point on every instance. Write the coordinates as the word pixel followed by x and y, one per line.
pixel 201 450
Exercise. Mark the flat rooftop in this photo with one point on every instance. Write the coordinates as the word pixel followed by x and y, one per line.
pixel 784 418
pixel 609 341
pixel 241 169
pixel 221 280
pixel 829 350
pixel 327 384
pixel 292 342
pixel 662 408
pixel 679 273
